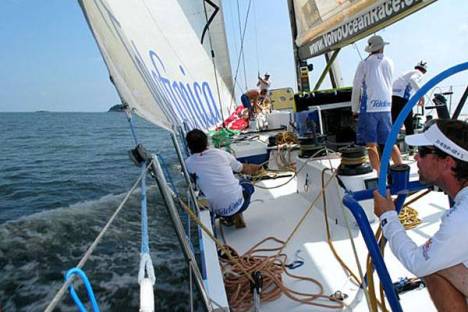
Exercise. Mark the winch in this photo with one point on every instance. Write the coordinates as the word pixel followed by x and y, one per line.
pixel 312 146
pixel 354 161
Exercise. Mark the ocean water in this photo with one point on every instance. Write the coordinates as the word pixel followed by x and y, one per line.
pixel 62 175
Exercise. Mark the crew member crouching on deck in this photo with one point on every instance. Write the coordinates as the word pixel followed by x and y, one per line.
pixel 442 261
pixel 213 169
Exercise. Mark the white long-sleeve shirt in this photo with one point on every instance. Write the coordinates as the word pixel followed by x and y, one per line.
pixel 213 168
pixel 407 84
pixel 263 84
pixel 448 246
pixel 372 85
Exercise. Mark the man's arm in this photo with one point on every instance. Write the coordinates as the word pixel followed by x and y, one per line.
pixel 441 251
pixel 414 82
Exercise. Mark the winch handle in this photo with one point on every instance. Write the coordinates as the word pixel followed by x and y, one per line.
pixel 402 116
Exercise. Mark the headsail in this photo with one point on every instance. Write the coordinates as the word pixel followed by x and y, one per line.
pixel 324 25
pixel 156 61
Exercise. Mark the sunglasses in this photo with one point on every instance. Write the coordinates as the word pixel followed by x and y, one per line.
pixel 426 150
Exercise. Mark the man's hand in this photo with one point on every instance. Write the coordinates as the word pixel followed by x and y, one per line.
pixel 382 204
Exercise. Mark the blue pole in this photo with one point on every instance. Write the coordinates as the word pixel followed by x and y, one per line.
pixel 402 116
pixel 374 251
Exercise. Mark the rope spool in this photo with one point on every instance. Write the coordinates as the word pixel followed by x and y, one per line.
pixel 354 161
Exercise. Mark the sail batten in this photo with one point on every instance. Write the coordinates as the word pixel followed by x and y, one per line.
pixel 157 63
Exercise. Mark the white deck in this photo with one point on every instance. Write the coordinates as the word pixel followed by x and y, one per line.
pixel 276 212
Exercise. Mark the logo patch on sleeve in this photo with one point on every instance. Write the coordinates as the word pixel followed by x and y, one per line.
pixel 426 248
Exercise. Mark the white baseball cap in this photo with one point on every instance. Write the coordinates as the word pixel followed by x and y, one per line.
pixel 375 43
pixel 433 136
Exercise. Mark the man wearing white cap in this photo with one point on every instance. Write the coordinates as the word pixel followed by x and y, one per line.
pixel 403 88
pixel 264 83
pixel 371 100
pixel 442 160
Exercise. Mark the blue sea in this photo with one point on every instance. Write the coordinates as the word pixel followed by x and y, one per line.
pixel 62 175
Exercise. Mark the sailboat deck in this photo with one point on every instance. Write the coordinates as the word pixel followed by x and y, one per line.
pixel 276 212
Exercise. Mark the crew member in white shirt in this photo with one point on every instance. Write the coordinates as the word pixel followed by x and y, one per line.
pixel 213 169
pixel 442 261
pixel 371 100
pixel 403 88
pixel 264 83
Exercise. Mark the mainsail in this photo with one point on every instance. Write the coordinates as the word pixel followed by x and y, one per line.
pixel 156 60
pixel 216 38
pixel 325 25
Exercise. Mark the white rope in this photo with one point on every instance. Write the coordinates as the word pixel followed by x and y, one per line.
pixel 90 250
pixel 146 266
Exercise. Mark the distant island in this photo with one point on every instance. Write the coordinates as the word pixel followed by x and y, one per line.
pixel 116 108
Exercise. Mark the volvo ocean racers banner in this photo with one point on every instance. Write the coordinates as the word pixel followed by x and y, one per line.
pixel 156 61
pixel 325 25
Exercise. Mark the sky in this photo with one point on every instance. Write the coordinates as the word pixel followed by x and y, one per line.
pixel 49 59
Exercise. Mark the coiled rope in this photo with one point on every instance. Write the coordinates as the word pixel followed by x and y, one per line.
pixel 271 267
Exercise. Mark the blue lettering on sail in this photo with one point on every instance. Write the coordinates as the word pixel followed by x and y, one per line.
pixel 207 92
pixel 155 88
pixel 196 101
pixel 166 86
pixel 183 99
pixel 189 107
pixel 175 98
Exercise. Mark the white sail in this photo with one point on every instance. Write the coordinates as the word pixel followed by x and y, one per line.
pixel 324 25
pixel 157 62
pixel 216 38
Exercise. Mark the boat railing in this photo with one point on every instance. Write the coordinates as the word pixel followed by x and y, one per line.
pixel 400 186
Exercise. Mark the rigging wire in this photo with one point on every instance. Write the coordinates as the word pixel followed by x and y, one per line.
pixel 241 48
pixel 357 50
pixel 241 36
pixel 93 246
pixel 256 38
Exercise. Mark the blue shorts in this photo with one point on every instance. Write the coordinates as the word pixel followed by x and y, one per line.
pixel 247 190
pixel 374 127
pixel 246 101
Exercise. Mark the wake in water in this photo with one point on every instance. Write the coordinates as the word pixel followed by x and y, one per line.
pixel 36 250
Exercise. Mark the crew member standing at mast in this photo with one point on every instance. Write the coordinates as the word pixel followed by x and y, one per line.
pixel 264 83
pixel 403 88
pixel 371 100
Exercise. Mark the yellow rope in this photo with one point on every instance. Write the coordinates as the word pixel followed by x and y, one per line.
pixel 409 217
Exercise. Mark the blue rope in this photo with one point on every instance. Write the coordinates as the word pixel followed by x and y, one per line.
pixel 402 116
pixel 89 289
pixel 144 214
pixel 132 127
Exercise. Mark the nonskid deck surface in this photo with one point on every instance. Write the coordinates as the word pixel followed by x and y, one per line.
pixel 276 212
